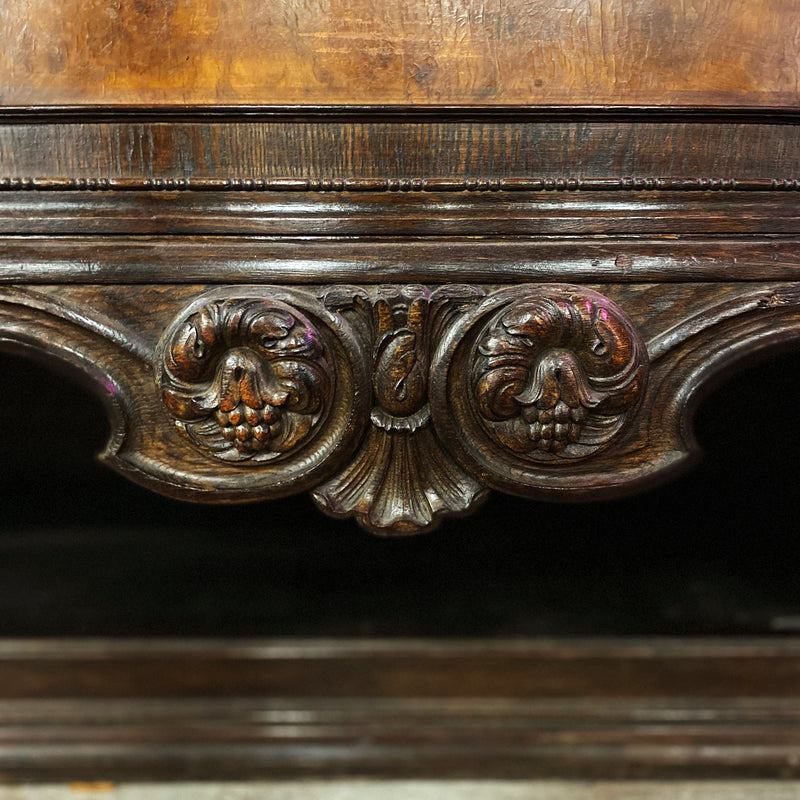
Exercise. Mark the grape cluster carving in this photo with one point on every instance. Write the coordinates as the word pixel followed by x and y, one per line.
pixel 246 378
pixel 555 374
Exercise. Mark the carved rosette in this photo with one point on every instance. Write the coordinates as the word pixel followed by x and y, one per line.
pixel 461 392
pixel 400 405
pixel 538 378
pixel 553 376
pixel 401 480
pixel 253 376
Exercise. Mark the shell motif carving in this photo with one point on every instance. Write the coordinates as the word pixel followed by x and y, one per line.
pixel 401 481
pixel 456 391
pixel 554 374
pixel 246 378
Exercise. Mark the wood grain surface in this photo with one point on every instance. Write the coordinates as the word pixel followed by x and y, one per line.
pixel 231 709
pixel 229 259
pixel 344 789
pixel 384 214
pixel 462 52
pixel 223 153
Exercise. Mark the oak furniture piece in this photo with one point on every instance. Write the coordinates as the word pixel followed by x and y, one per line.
pixel 398 256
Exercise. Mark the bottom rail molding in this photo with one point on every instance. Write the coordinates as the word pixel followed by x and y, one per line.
pixel 243 709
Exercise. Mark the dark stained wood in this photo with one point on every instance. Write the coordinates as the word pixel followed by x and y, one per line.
pixel 246 260
pixel 396 154
pixel 386 419
pixel 262 709
pixel 614 669
pixel 383 214
pixel 653 52
pixel 400 404
pixel 399 255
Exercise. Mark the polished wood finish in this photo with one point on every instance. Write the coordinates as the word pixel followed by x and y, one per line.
pixel 515 52
pixel 559 290
pixel 398 256
pixel 401 404
pixel 187 710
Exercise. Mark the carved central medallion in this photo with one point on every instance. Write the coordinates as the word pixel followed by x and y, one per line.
pixel 401 480
pixel 399 405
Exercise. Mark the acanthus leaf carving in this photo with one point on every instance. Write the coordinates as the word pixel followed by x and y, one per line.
pixel 466 388
pixel 535 378
pixel 264 379
pixel 509 357
pixel 554 374
pixel 246 378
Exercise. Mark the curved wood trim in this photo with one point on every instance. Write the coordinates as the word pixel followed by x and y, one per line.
pixel 408 451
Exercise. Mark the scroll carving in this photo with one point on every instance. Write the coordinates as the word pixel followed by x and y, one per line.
pixel 531 380
pixel 246 378
pixel 466 388
pixel 267 383
pixel 411 403
pixel 554 376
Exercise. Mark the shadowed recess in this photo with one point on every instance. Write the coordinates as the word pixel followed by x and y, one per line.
pixel 83 552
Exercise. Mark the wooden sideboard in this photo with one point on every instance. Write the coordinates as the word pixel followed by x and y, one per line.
pixel 398 257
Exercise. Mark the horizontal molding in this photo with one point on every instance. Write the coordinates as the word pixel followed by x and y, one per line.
pixel 85 710
pixel 405 185
pixel 416 214
pixel 227 739
pixel 249 259
pixel 436 154
pixel 399 112
pixel 547 669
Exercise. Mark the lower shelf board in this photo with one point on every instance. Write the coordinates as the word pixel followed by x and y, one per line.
pixel 167 709
pixel 345 789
